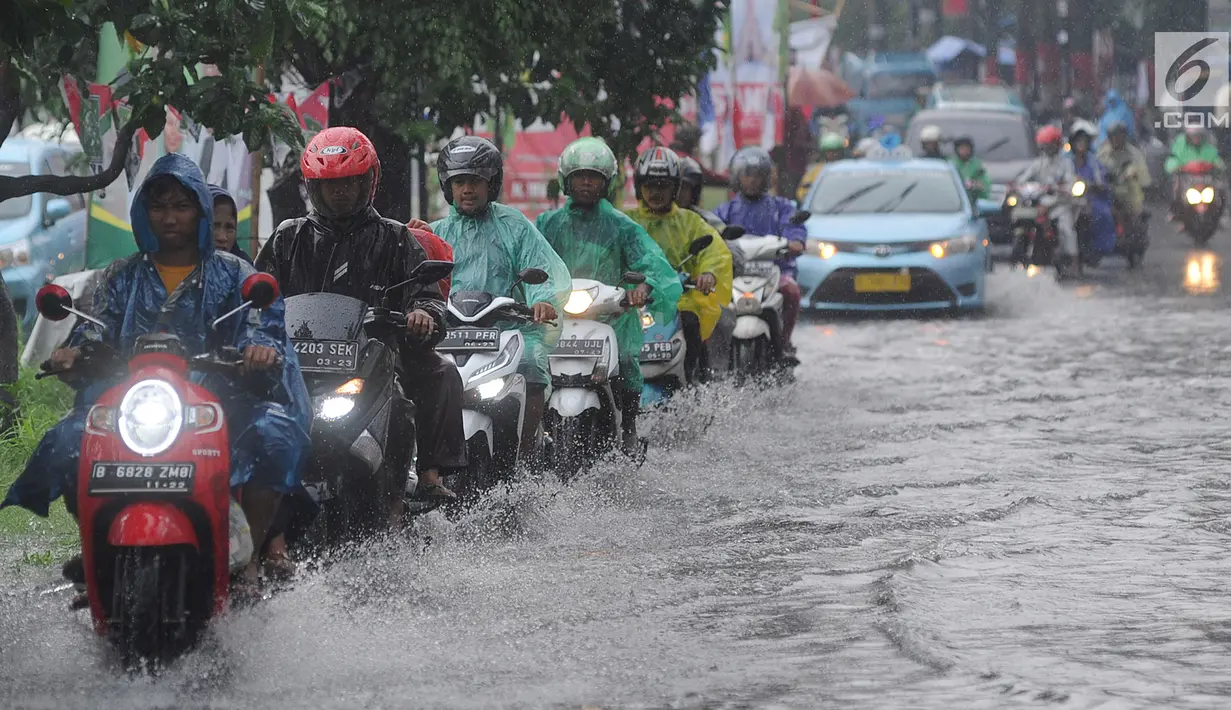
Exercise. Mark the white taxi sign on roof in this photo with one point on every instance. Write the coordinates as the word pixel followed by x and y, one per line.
pixel 882 153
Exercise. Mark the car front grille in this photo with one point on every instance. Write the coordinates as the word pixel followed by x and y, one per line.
pixel 925 287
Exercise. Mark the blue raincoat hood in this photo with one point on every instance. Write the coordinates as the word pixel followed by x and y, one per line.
pixel 1113 98
pixel 190 176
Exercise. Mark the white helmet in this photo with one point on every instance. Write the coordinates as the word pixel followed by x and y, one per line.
pixel 1082 126
pixel 930 134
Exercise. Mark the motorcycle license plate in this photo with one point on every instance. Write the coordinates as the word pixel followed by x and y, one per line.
pixel 882 283
pixel 759 268
pixel 327 355
pixel 470 340
pixel 656 352
pixel 154 478
pixel 578 348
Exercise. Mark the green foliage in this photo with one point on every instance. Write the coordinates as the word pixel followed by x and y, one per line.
pixel 49 38
pixel 442 64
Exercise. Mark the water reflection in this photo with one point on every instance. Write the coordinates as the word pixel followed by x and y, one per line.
pixel 1201 272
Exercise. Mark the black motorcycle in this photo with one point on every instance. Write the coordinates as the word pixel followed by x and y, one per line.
pixel 348 352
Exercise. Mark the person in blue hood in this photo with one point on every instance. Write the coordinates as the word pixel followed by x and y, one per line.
pixel 179 283
pixel 1115 110
pixel 763 214
pixel 226 223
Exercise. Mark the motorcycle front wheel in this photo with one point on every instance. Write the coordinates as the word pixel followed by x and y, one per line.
pixel 574 443
pixel 152 611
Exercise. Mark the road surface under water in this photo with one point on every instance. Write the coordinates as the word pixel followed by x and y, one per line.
pixel 1030 509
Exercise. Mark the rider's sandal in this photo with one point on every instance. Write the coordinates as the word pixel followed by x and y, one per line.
pixel 280 567
pixel 79 601
pixel 433 491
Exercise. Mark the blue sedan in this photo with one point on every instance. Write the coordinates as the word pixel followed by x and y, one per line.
pixel 894 234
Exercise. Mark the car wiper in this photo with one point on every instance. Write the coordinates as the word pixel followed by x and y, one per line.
pixel 996 145
pixel 893 204
pixel 842 203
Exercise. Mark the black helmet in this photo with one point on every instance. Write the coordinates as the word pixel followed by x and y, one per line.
pixel 657 162
pixel 963 140
pixel 692 177
pixel 750 161
pixel 470 155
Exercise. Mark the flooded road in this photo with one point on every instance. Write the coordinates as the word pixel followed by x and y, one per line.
pixel 1031 509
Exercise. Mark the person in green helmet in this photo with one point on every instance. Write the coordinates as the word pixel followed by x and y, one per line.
pixel 601 243
pixel 833 149
pixel 974 175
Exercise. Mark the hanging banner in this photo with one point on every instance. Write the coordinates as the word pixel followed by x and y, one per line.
pixel 746 86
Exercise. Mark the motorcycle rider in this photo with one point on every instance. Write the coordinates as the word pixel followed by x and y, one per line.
pixel 865 146
pixel 492 243
pixel 226 223
pixel 657 181
pixel 1130 172
pixel 1188 147
pixel 178 282
pixel 1055 169
pixel 1116 111
pixel 599 242
pixel 929 140
pixel 763 214
pixel 344 246
pixel 974 175
pixel 691 181
pixel 1098 195
pixel 833 149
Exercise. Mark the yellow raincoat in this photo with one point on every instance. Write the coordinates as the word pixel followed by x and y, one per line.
pixel 674 231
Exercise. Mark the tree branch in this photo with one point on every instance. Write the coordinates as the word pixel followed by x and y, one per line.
pixel 22 185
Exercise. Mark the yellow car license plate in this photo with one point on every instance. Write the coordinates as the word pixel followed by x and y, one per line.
pixel 882 283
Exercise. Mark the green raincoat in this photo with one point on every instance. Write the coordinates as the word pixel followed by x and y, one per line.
pixel 488 253
pixel 973 170
pixel 674 231
pixel 602 243
pixel 1183 152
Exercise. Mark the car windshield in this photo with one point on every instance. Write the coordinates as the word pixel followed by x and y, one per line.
pixel 16 207
pixel 980 94
pixel 997 138
pixel 882 191
pixel 897 85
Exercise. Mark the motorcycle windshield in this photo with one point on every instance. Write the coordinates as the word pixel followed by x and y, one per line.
pixel 324 316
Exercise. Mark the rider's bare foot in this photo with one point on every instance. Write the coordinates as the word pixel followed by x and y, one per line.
pixel 431 487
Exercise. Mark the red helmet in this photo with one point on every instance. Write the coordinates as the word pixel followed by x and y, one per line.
pixel 339 152
pixel 1048 134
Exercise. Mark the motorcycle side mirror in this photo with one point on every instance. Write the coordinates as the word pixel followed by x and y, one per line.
pixel 427 272
pixel 533 276
pixel 702 243
pixel 800 217
pixel 633 277
pixel 259 290
pixel 732 232
pixel 53 302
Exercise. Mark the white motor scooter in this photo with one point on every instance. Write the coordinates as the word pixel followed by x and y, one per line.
pixel 486 347
pixel 756 344
pixel 583 420
pixel 664 350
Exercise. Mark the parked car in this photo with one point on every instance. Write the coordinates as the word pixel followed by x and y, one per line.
pixel 1003 140
pixel 42 235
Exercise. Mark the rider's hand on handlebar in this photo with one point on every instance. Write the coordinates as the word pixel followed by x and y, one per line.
pixel 63 359
pixel 637 297
pixel 420 323
pixel 796 248
pixel 544 312
pixel 706 283
pixel 258 358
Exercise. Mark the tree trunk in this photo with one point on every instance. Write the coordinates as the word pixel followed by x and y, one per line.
pixel 1025 74
pixel 1082 24
pixel 393 193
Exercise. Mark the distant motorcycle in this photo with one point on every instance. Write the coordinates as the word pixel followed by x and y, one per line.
pixel 663 348
pixel 1201 203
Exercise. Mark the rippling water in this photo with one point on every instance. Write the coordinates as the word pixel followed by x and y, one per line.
pixel 1026 509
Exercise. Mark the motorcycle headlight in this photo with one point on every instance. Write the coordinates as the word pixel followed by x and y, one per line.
pixel 491 388
pixel 580 301
pixel 1011 201
pixel 333 408
pixel 1193 196
pixel 151 415
pixel 1079 188
pixel 1207 195
pixel 647 320
pixel 960 245
pixel 506 356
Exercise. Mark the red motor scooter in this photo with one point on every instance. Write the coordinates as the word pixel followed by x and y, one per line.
pixel 153 488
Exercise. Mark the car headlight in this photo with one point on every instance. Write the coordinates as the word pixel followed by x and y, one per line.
pixel 1079 188
pixel 151 415
pixel 491 388
pixel 333 408
pixel 580 301
pixel 825 250
pixel 959 245
pixel 15 254
pixel 1207 195
pixel 1193 196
